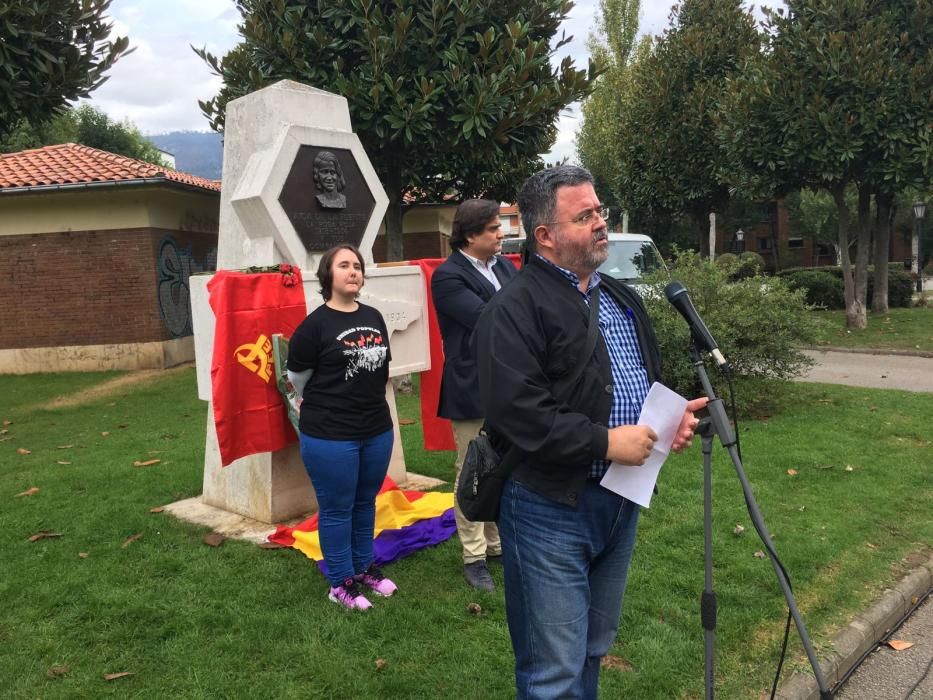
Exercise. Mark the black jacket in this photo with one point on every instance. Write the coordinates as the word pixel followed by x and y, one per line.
pixel 460 293
pixel 528 337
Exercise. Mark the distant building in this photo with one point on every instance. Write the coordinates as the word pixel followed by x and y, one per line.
pixel 95 254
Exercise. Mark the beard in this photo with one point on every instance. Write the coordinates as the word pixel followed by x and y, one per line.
pixel 582 255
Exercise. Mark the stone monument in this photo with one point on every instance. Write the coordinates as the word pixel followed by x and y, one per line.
pixel 296 181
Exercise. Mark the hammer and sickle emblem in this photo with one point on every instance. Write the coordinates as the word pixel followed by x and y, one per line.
pixel 257 357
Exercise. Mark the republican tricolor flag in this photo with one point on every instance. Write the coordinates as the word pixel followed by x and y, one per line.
pixel 406 521
pixel 249 309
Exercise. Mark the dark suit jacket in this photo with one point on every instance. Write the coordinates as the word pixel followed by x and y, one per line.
pixel 460 294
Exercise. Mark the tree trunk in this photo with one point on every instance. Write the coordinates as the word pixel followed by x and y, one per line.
pixel 712 236
pixel 855 314
pixel 395 246
pixel 862 254
pixel 879 302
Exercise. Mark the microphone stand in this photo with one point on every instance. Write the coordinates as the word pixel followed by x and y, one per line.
pixel 718 424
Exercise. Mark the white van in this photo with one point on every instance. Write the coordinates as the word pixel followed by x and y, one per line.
pixel 631 255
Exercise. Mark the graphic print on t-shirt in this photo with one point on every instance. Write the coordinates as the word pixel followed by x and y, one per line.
pixel 364 349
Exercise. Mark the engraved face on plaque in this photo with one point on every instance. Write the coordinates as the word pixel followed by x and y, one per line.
pixel 326 198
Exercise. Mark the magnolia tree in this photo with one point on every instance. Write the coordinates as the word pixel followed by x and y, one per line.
pixel 52 52
pixel 840 99
pixel 448 98
pixel 669 158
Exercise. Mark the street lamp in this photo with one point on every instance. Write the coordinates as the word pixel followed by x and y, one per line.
pixel 920 209
pixel 740 239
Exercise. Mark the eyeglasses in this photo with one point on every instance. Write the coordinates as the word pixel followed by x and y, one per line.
pixel 586 217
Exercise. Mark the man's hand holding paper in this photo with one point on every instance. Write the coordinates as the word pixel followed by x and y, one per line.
pixel 666 423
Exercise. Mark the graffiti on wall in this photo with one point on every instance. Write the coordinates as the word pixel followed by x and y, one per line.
pixel 176 265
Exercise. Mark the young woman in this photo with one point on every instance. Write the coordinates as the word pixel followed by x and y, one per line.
pixel 338 361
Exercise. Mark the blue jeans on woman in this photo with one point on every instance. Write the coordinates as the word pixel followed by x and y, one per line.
pixel 347 475
pixel 565 573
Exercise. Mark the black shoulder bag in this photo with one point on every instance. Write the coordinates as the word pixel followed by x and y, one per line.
pixel 484 471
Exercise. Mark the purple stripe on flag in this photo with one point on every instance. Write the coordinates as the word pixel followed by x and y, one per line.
pixel 391 545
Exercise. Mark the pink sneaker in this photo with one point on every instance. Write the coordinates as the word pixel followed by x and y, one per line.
pixel 349 595
pixel 375 580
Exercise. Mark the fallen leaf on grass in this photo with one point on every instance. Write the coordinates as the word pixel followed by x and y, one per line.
pixel 406 421
pixel 5 438
pixel 157 509
pixel 792 472
pixel 213 539
pixel 849 468
pixel 31 491
pixel 899 644
pixel 738 530
pixel 57 671
pixel 130 540
pixel 760 554
pixel 64 447
pixel 84 555
pixel 617 663
pixel 147 463
pixel 43 534
pixel 8 422
pixel 23 451
pixel 4 431
pixel 474 608
pixel 62 461
pixel 871 546
pixel 114 676
pixel 105 433
pixel 270 545
pixel 380 664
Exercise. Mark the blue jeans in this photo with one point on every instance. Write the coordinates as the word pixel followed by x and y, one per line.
pixel 347 475
pixel 565 572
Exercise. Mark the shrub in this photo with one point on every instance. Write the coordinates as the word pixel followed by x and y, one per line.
pixel 822 288
pixel 727 260
pixel 759 323
pixel 900 288
pixel 900 283
pixel 750 265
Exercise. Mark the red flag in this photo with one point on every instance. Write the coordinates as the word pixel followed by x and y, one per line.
pixel 438 435
pixel 249 308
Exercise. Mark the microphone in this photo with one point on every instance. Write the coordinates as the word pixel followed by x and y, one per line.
pixel 677 295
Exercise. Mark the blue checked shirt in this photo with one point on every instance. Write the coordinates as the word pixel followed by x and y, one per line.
pixel 629 376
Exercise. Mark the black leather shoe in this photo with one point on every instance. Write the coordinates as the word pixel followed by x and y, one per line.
pixel 477 575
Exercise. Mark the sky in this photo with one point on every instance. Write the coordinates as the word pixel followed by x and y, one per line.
pixel 158 86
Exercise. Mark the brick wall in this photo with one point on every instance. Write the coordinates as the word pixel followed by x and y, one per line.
pixel 96 287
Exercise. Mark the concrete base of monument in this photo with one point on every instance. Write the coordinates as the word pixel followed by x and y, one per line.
pixel 239 527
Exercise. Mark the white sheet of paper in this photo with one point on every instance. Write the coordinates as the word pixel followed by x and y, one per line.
pixel 662 410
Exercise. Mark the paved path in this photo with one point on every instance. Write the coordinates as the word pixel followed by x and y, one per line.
pixel 877 371
pixel 887 673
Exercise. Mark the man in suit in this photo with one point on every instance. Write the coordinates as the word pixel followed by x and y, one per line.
pixel 460 287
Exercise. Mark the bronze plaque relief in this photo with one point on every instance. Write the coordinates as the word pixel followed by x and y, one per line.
pixel 326 198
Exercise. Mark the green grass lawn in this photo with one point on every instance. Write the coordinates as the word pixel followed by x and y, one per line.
pixel 899 329
pixel 237 621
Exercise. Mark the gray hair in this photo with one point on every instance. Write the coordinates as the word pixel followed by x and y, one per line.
pixel 538 196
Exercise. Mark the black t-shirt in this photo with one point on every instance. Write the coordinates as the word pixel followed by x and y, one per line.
pixel 349 355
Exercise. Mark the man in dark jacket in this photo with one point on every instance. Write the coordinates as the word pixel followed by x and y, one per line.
pixel 566 541
pixel 460 288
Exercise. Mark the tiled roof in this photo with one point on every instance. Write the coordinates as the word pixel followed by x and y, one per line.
pixel 71 164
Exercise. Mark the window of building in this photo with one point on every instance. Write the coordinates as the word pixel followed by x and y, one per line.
pixel 795 243
pixel 764 244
